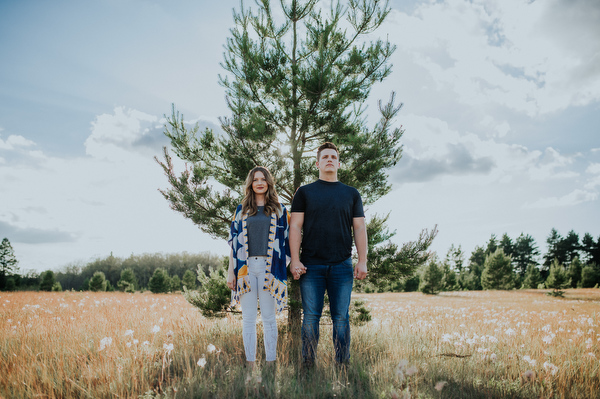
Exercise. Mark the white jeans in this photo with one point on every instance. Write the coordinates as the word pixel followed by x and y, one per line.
pixel 249 301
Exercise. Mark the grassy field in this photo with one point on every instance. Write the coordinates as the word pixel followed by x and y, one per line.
pixel 518 344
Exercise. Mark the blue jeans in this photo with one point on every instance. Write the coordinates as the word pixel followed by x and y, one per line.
pixel 337 280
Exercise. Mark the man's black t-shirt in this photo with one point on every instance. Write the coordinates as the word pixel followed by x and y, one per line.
pixel 328 208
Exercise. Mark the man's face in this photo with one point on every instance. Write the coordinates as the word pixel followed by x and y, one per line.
pixel 329 161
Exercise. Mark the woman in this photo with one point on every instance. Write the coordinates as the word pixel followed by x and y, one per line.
pixel 257 265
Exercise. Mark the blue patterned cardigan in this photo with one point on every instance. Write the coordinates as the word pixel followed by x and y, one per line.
pixel 278 256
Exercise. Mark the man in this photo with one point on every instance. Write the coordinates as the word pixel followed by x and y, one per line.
pixel 323 216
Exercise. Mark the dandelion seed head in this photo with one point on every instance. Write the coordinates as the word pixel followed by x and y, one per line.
pixel 402 364
pixel 440 385
pixel 201 362
pixel 168 347
pixel 104 342
pixel 551 367
pixel 529 375
pixel 211 348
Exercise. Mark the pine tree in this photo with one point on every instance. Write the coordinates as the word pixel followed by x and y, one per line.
pixel 558 279
pixel 213 295
pixel 431 279
pixel 498 272
pixel 525 253
pixel 590 249
pixel 574 272
pixel 189 280
pixel 533 277
pixel 387 263
pixel 290 87
pixel 175 283
pixel 128 282
pixel 590 276
pixel 98 282
pixel 492 245
pixel 8 262
pixel 507 245
pixel 554 242
pixel 159 282
pixel 56 287
pixel 48 280
pixel 570 247
pixel 449 280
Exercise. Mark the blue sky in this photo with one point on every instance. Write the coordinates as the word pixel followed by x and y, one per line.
pixel 501 112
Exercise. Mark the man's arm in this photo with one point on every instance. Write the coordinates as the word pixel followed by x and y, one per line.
pixel 360 239
pixel 296 223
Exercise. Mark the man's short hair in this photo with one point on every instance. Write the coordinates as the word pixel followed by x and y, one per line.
pixel 326 146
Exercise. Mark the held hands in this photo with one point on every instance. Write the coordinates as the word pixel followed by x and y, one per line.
pixel 360 270
pixel 297 269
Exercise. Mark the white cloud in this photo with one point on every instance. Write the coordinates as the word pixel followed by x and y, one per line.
pixel 14 142
pixel 574 198
pixel 114 136
pixel 511 53
pixel 593 168
pixel 594 180
pixel 433 149
pixel 105 202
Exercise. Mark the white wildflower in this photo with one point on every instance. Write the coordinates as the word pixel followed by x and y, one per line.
pixel 168 348
pixel 155 329
pixel 202 362
pixel 546 328
pixel 211 348
pixel 104 342
pixel 548 338
pixel 510 332
pixel 551 367
pixel 440 385
pixel 129 332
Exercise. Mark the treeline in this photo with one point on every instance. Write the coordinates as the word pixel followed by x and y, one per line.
pixel 155 272
pixel 505 263
pixel 570 262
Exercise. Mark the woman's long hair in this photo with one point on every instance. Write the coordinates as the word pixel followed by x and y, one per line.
pixel 271 198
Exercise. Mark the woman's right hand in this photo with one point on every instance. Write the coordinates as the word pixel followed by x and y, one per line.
pixel 231 280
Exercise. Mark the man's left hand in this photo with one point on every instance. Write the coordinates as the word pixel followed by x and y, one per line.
pixel 360 270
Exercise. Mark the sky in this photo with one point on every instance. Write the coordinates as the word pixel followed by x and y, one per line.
pixel 501 117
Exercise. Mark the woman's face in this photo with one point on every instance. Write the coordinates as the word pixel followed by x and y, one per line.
pixel 259 184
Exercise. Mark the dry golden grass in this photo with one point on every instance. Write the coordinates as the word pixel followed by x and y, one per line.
pixel 489 344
